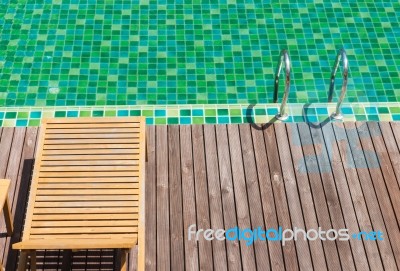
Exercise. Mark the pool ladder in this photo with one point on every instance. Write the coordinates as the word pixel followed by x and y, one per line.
pixel 284 59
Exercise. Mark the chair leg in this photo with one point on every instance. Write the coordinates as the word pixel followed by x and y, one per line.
pixel 33 260
pixel 124 262
pixel 22 260
pixel 66 262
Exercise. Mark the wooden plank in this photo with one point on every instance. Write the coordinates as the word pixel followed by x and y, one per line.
pixel 115 145
pixel 267 198
pixel 67 217
pixel 289 250
pixel 77 174
pixel 84 223
pixel 321 208
pixel 253 194
pixel 367 186
pixel 80 141
pixel 64 204
pixel 77 243
pixel 386 166
pixel 91 163
pixel 380 190
pixel 82 230
pixel 392 149
pixel 86 198
pixel 214 195
pixel 86 210
pixel 88 169
pixel 163 244
pixel 89 185
pixel 332 199
pixel 12 171
pixel 133 135
pixel 92 125
pixel 289 179
pixel 306 200
pixel 206 258
pixel 5 148
pixel 77 131
pixel 18 202
pixel 84 157
pixel 84 192
pixel 48 153
pixel 110 179
pixel 228 196
pixel 188 197
pixel 151 200
pixel 175 199
pixel 362 253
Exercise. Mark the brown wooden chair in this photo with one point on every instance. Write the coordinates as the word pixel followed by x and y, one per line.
pixel 87 188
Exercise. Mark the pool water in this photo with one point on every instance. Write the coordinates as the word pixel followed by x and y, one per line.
pixel 101 53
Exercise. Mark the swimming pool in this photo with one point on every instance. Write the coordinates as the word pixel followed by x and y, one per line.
pixel 191 55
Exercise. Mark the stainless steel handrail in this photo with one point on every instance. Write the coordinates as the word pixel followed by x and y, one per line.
pixel 340 56
pixel 283 58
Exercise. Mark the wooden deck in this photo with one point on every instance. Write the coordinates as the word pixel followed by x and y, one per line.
pixel 223 176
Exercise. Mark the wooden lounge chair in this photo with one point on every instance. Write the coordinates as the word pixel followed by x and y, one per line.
pixel 87 188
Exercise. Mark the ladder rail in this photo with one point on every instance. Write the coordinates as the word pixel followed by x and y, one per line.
pixel 283 59
pixel 340 56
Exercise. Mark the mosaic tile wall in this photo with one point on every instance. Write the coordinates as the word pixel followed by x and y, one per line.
pixel 206 114
pixel 103 52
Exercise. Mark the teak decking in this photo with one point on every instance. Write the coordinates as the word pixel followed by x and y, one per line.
pixel 222 176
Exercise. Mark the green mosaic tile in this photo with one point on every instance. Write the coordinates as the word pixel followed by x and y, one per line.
pixel 95 53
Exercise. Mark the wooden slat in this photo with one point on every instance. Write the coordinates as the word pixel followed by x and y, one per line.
pixel 289 250
pixel 114 146
pixel 188 197
pixel 228 196
pixel 92 125
pixel 82 230
pixel 55 204
pixel 392 148
pixel 54 192
pixel 214 196
pixel 91 163
pixel 84 223
pixel 77 174
pixel 332 200
pixel 253 193
pixel 19 199
pixel 359 250
pixel 306 199
pixel 89 185
pixel 151 200
pixel 133 135
pixel 67 217
pixel 86 198
pixel 321 208
pixel 175 199
pixel 84 157
pixel 373 204
pixel 267 197
pixel 163 224
pixel 48 153
pixel 86 210
pixel 203 216
pixel 88 169
pixel 289 179
pixel 102 242
pixel 100 131
pixel 110 179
